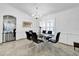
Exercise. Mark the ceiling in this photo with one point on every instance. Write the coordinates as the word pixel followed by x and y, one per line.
pixel 43 8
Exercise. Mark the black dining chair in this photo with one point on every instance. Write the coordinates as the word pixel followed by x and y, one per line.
pixel 28 35
pixel 44 31
pixel 30 31
pixel 35 38
pixel 49 32
pixel 57 38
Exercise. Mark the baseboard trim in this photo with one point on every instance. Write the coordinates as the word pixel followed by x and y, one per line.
pixel 14 40
pixel 20 39
pixel 25 38
pixel 66 44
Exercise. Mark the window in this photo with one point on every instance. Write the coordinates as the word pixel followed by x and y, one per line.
pixel 48 25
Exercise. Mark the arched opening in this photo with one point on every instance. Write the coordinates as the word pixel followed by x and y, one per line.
pixel 9 28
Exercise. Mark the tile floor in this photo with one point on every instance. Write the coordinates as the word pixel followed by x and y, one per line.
pixel 25 47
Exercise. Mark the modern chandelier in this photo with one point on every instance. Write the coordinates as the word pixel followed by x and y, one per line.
pixel 36 15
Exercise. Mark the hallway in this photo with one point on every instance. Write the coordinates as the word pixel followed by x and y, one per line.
pixel 21 48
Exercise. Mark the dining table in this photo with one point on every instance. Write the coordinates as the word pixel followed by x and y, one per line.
pixel 48 36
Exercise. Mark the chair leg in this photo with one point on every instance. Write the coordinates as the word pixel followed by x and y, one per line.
pixel 74 48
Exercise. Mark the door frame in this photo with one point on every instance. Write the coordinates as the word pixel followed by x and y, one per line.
pixel 3 28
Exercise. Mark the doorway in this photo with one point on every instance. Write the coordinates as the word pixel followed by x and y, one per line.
pixel 9 28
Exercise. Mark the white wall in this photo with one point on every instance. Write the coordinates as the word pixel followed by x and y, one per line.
pixel 67 22
pixel 5 9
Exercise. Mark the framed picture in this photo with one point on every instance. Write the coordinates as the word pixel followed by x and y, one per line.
pixel 27 24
